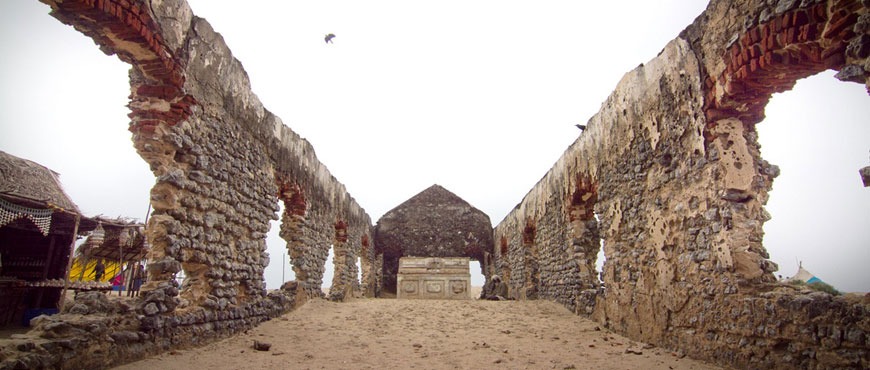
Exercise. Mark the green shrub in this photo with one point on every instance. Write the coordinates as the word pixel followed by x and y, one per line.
pixel 818 286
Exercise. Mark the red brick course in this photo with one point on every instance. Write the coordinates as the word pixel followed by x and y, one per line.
pixel 770 57
pixel 131 21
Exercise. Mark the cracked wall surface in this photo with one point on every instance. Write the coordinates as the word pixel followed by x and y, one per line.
pixel 671 167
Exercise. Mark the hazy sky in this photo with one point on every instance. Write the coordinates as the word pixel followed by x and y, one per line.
pixel 480 97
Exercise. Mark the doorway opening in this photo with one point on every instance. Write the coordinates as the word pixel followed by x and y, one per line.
pixel 280 268
pixel 328 271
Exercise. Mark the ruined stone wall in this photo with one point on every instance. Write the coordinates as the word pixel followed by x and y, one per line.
pixel 222 162
pixel 671 167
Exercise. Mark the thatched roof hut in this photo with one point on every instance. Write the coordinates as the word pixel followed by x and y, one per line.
pixel 433 223
pixel 123 240
pixel 38 221
pixel 120 242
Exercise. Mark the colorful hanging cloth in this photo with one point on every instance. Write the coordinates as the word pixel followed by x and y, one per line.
pixel 40 217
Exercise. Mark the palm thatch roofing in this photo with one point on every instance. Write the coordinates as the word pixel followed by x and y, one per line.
pixel 123 240
pixel 28 184
pixel 28 180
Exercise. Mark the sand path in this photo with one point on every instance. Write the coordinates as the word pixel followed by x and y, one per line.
pixel 411 334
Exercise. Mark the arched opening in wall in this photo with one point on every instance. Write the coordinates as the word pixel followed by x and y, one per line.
pixel 328 271
pixel 477 278
pixel 63 106
pixel 600 257
pixel 279 270
pixel 818 135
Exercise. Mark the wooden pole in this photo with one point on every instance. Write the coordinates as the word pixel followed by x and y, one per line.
pixel 72 248
pixel 120 267
pixel 45 269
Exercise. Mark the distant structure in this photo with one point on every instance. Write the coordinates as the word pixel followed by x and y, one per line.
pixel 670 185
pixel 329 38
pixel 433 223
pixel 804 276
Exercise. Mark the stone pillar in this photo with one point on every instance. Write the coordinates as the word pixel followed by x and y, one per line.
pixel 367 265
pixel 292 231
pixel 586 241
pixel 341 285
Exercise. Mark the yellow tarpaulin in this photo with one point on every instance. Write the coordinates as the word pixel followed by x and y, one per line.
pixel 75 273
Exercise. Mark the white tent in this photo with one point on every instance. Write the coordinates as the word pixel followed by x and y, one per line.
pixel 803 275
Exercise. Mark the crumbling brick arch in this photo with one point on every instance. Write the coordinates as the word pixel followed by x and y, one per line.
pixel 786 43
pixel 785 46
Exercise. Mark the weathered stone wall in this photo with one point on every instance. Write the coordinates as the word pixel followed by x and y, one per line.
pixel 222 162
pixel 670 166
pixel 668 174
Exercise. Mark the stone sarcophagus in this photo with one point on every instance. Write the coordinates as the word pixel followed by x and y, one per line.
pixel 433 278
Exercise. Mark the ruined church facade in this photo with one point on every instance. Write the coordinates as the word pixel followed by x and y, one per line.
pixel 667 174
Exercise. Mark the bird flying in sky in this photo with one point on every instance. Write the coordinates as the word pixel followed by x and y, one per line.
pixel 329 38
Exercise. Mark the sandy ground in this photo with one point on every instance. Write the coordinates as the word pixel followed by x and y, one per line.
pixel 414 334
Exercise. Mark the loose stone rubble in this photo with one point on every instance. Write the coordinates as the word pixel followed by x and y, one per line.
pixel 668 174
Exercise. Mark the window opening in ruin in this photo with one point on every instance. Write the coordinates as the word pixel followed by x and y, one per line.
pixel 279 270
pixel 359 270
pixel 818 135
pixel 477 278
pixel 328 271
pixel 600 257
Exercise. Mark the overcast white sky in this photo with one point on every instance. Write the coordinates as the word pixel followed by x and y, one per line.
pixel 480 97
